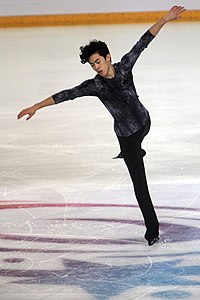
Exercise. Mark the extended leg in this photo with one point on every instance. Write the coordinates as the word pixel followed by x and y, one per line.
pixel 132 154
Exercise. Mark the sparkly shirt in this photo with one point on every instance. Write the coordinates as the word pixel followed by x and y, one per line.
pixel 118 94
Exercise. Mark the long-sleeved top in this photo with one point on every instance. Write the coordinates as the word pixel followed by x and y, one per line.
pixel 118 94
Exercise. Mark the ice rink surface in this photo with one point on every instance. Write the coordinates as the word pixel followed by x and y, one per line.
pixel 70 227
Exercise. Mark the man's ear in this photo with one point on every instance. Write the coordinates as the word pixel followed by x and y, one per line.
pixel 108 57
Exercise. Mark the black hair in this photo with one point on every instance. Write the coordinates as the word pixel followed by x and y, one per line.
pixel 94 46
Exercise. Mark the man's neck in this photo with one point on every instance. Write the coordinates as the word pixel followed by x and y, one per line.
pixel 111 72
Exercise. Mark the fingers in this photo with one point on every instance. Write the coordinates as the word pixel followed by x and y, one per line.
pixel 30 116
pixel 21 114
pixel 25 112
pixel 178 9
pixel 174 13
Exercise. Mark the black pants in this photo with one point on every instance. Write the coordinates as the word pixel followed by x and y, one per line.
pixel 133 156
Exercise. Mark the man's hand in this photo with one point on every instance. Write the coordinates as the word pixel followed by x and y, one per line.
pixel 30 111
pixel 174 13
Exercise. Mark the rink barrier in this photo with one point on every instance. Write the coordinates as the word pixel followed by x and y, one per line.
pixel 91 19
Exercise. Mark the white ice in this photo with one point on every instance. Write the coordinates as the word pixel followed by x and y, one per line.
pixel 70 227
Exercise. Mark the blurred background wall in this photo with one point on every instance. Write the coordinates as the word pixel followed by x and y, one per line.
pixel 38 7
pixel 63 12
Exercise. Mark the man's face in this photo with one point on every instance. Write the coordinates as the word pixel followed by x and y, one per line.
pixel 100 64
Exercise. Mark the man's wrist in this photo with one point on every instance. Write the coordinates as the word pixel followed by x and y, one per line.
pixel 164 20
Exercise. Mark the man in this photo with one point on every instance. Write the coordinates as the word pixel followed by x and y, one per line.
pixel 114 86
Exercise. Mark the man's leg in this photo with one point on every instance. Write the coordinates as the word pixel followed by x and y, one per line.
pixel 132 154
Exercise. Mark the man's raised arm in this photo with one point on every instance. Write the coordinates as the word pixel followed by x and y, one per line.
pixel 173 14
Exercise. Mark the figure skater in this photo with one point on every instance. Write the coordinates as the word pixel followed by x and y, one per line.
pixel 114 86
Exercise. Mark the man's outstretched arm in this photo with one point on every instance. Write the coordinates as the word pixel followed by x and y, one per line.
pixel 30 111
pixel 173 14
